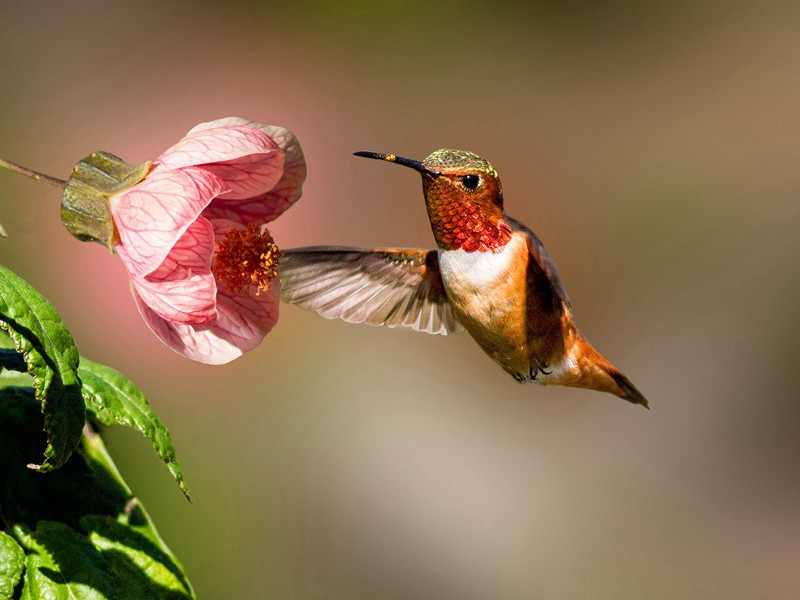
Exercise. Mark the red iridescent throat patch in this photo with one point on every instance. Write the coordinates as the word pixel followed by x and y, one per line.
pixel 465 225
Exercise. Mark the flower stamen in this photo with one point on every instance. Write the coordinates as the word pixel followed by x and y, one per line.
pixel 247 257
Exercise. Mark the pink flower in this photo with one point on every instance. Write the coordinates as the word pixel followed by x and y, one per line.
pixel 191 236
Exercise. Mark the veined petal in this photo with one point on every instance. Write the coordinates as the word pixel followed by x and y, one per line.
pixel 286 141
pixel 251 175
pixel 244 319
pixel 271 204
pixel 190 300
pixel 242 323
pixel 221 227
pixel 182 289
pixel 153 215
pixel 217 144
pixel 223 122
pixel 191 253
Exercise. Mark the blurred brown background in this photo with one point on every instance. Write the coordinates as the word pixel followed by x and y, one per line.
pixel 654 147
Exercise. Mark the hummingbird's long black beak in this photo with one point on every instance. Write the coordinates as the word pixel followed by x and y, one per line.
pixel 406 162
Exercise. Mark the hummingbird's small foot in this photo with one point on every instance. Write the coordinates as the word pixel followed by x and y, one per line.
pixel 538 368
pixel 520 377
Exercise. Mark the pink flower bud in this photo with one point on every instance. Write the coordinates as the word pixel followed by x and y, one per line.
pixel 191 236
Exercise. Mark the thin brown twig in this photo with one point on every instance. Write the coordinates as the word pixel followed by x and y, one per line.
pixel 54 181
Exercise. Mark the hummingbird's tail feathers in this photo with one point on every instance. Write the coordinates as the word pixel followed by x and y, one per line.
pixel 628 390
pixel 595 372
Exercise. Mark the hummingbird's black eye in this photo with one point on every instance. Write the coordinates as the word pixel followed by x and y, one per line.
pixel 470 181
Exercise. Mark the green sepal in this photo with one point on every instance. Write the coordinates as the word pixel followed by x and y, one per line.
pixel 52 360
pixel 84 205
pixel 12 562
pixel 114 399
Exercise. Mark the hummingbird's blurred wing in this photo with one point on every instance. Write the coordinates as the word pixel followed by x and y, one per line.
pixel 391 287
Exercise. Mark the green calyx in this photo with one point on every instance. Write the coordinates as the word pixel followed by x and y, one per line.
pixel 84 205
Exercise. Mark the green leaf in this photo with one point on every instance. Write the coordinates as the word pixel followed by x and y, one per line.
pixel 15 379
pixel 84 532
pixel 113 398
pixel 5 340
pixel 142 568
pixel 141 536
pixel 14 371
pixel 12 360
pixel 62 563
pixel 52 359
pixel 12 560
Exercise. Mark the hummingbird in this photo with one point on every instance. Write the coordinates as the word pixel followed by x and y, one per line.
pixel 489 276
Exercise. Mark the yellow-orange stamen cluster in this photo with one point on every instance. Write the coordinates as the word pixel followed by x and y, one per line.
pixel 247 257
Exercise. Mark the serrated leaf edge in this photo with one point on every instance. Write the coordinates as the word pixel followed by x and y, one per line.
pixel 41 388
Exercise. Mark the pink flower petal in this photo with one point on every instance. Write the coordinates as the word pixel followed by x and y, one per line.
pixel 223 175
pixel 243 322
pixel 190 300
pixel 153 215
pixel 223 122
pixel 268 206
pixel 247 318
pixel 191 253
pixel 182 289
pixel 219 144
pixel 249 175
pixel 222 226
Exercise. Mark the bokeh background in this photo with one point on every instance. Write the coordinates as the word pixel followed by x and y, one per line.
pixel 654 147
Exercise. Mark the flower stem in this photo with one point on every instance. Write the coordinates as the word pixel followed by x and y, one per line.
pixel 54 181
